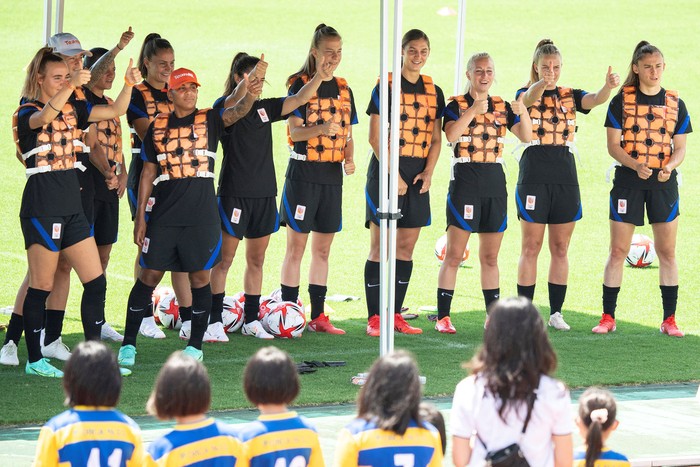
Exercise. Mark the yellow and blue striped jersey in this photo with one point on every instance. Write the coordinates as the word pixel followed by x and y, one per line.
pixel 90 436
pixel 208 442
pixel 361 443
pixel 607 458
pixel 281 439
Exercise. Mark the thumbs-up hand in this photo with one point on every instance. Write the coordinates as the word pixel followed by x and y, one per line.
pixel 612 80
pixel 481 105
pixel 260 69
pixel 517 106
pixel 125 39
pixel 133 75
pixel 79 78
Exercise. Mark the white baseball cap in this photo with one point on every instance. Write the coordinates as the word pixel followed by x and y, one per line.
pixel 67 44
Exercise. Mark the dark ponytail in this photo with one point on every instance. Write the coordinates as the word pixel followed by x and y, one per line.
pixel 597 411
pixel 321 33
pixel 643 48
pixel 152 44
pixel 241 63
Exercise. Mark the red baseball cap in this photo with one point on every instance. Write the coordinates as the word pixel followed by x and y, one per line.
pixel 182 76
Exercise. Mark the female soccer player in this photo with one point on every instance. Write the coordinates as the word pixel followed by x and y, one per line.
pixel 510 397
pixel 248 187
pixel 53 221
pixel 547 194
pixel 422 105
pixel 388 429
pixel 321 135
pixel 647 130
pixel 92 384
pixel 183 392
pixel 477 200
pixel 176 190
pixel 278 436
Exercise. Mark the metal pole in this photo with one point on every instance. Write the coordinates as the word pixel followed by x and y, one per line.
pixel 58 27
pixel 459 61
pixel 47 20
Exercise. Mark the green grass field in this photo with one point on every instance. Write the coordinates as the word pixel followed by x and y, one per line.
pixel 206 35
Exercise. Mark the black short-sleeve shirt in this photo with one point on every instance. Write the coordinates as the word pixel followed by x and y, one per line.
pixel 184 201
pixel 248 167
pixel 324 173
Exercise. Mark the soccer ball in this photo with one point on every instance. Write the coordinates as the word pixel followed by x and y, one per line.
pixel 233 314
pixel 166 309
pixel 276 295
pixel 266 305
pixel 642 252
pixel 441 250
pixel 285 320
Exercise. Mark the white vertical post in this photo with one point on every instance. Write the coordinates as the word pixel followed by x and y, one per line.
pixel 47 20
pixel 58 25
pixel 459 60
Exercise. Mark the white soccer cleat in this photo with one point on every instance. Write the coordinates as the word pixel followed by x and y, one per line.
pixel 215 333
pixel 108 333
pixel 255 329
pixel 557 322
pixel 186 330
pixel 56 349
pixel 149 328
pixel 8 354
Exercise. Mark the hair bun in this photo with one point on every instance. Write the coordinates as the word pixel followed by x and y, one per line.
pixel 320 26
pixel 545 42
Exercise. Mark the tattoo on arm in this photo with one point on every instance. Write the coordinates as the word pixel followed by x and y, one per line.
pixel 232 114
pixel 100 67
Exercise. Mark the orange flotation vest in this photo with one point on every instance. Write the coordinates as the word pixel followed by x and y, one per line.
pixel 55 142
pixel 320 110
pixel 484 137
pixel 554 119
pixel 153 108
pixel 648 129
pixel 109 137
pixel 183 152
pixel 418 113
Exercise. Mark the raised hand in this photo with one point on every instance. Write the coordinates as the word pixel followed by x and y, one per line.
pixel 133 75
pixel 612 80
pixel 254 84
pixel 125 39
pixel 324 69
pixel 79 78
pixel 481 105
pixel 517 106
pixel 260 68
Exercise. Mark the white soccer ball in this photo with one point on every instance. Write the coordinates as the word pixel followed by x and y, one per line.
pixel 166 310
pixel 642 252
pixel 233 314
pixel 441 250
pixel 285 320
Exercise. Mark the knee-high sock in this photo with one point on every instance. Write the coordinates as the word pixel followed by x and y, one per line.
pixel 372 287
pixel 53 325
pixel 14 329
pixel 403 276
pixel 217 307
pixel 669 298
pixel 610 299
pixel 92 307
pixel 139 300
pixel 317 297
pixel 201 304
pixel 34 309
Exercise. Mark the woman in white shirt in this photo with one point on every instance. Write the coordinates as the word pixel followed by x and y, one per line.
pixel 510 374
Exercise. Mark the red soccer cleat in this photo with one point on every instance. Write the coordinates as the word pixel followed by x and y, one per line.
pixel 323 324
pixel 400 325
pixel 606 325
pixel 445 326
pixel 669 327
pixel 373 326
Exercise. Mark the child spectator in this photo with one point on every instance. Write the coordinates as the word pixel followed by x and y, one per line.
pixel 596 421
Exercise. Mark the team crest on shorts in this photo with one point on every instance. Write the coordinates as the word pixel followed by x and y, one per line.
pixel 300 212
pixel 622 206
pixel 469 211
pixel 236 216
pixel 146 242
pixel 530 202
pixel 56 231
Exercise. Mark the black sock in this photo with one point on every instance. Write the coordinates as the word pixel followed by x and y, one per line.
pixel 490 296
pixel 34 309
pixel 372 287
pixel 669 298
pixel 557 293
pixel 610 299
pixel 317 297
pixel 403 276
pixel 92 307
pixel 53 325
pixel 289 294
pixel 14 329
pixel 185 313
pixel 527 291
pixel 201 304
pixel 217 308
pixel 251 308
pixel 444 302
pixel 139 300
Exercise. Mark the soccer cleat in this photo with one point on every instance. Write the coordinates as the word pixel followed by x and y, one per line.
pixel 8 354
pixel 127 355
pixel 373 328
pixel 400 325
pixel 606 325
pixel 255 329
pixel 186 330
pixel 556 321
pixel 149 328
pixel 124 371
pixel 669 327
pixel 323 324
pixel 445 326
pixel 215 333
pixel 108 333
pixel 57 349
pixel 42 367
pixel 194 353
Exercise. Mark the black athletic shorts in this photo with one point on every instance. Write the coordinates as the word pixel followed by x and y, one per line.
pixel 308 207
pixel 548 203
pixel 181 249
pixel 628 204
pixel 55 233
pixel 132 198
pixel 106 226
pixel 477 214
pixel 248 217
pixel 88 202
pixel 414 206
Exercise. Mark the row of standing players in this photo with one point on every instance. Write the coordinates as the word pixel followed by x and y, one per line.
pixel 185 233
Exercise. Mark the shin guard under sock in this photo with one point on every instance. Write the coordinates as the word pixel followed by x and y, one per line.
pixel 669 298
pixel 201 304
pixel 139 300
